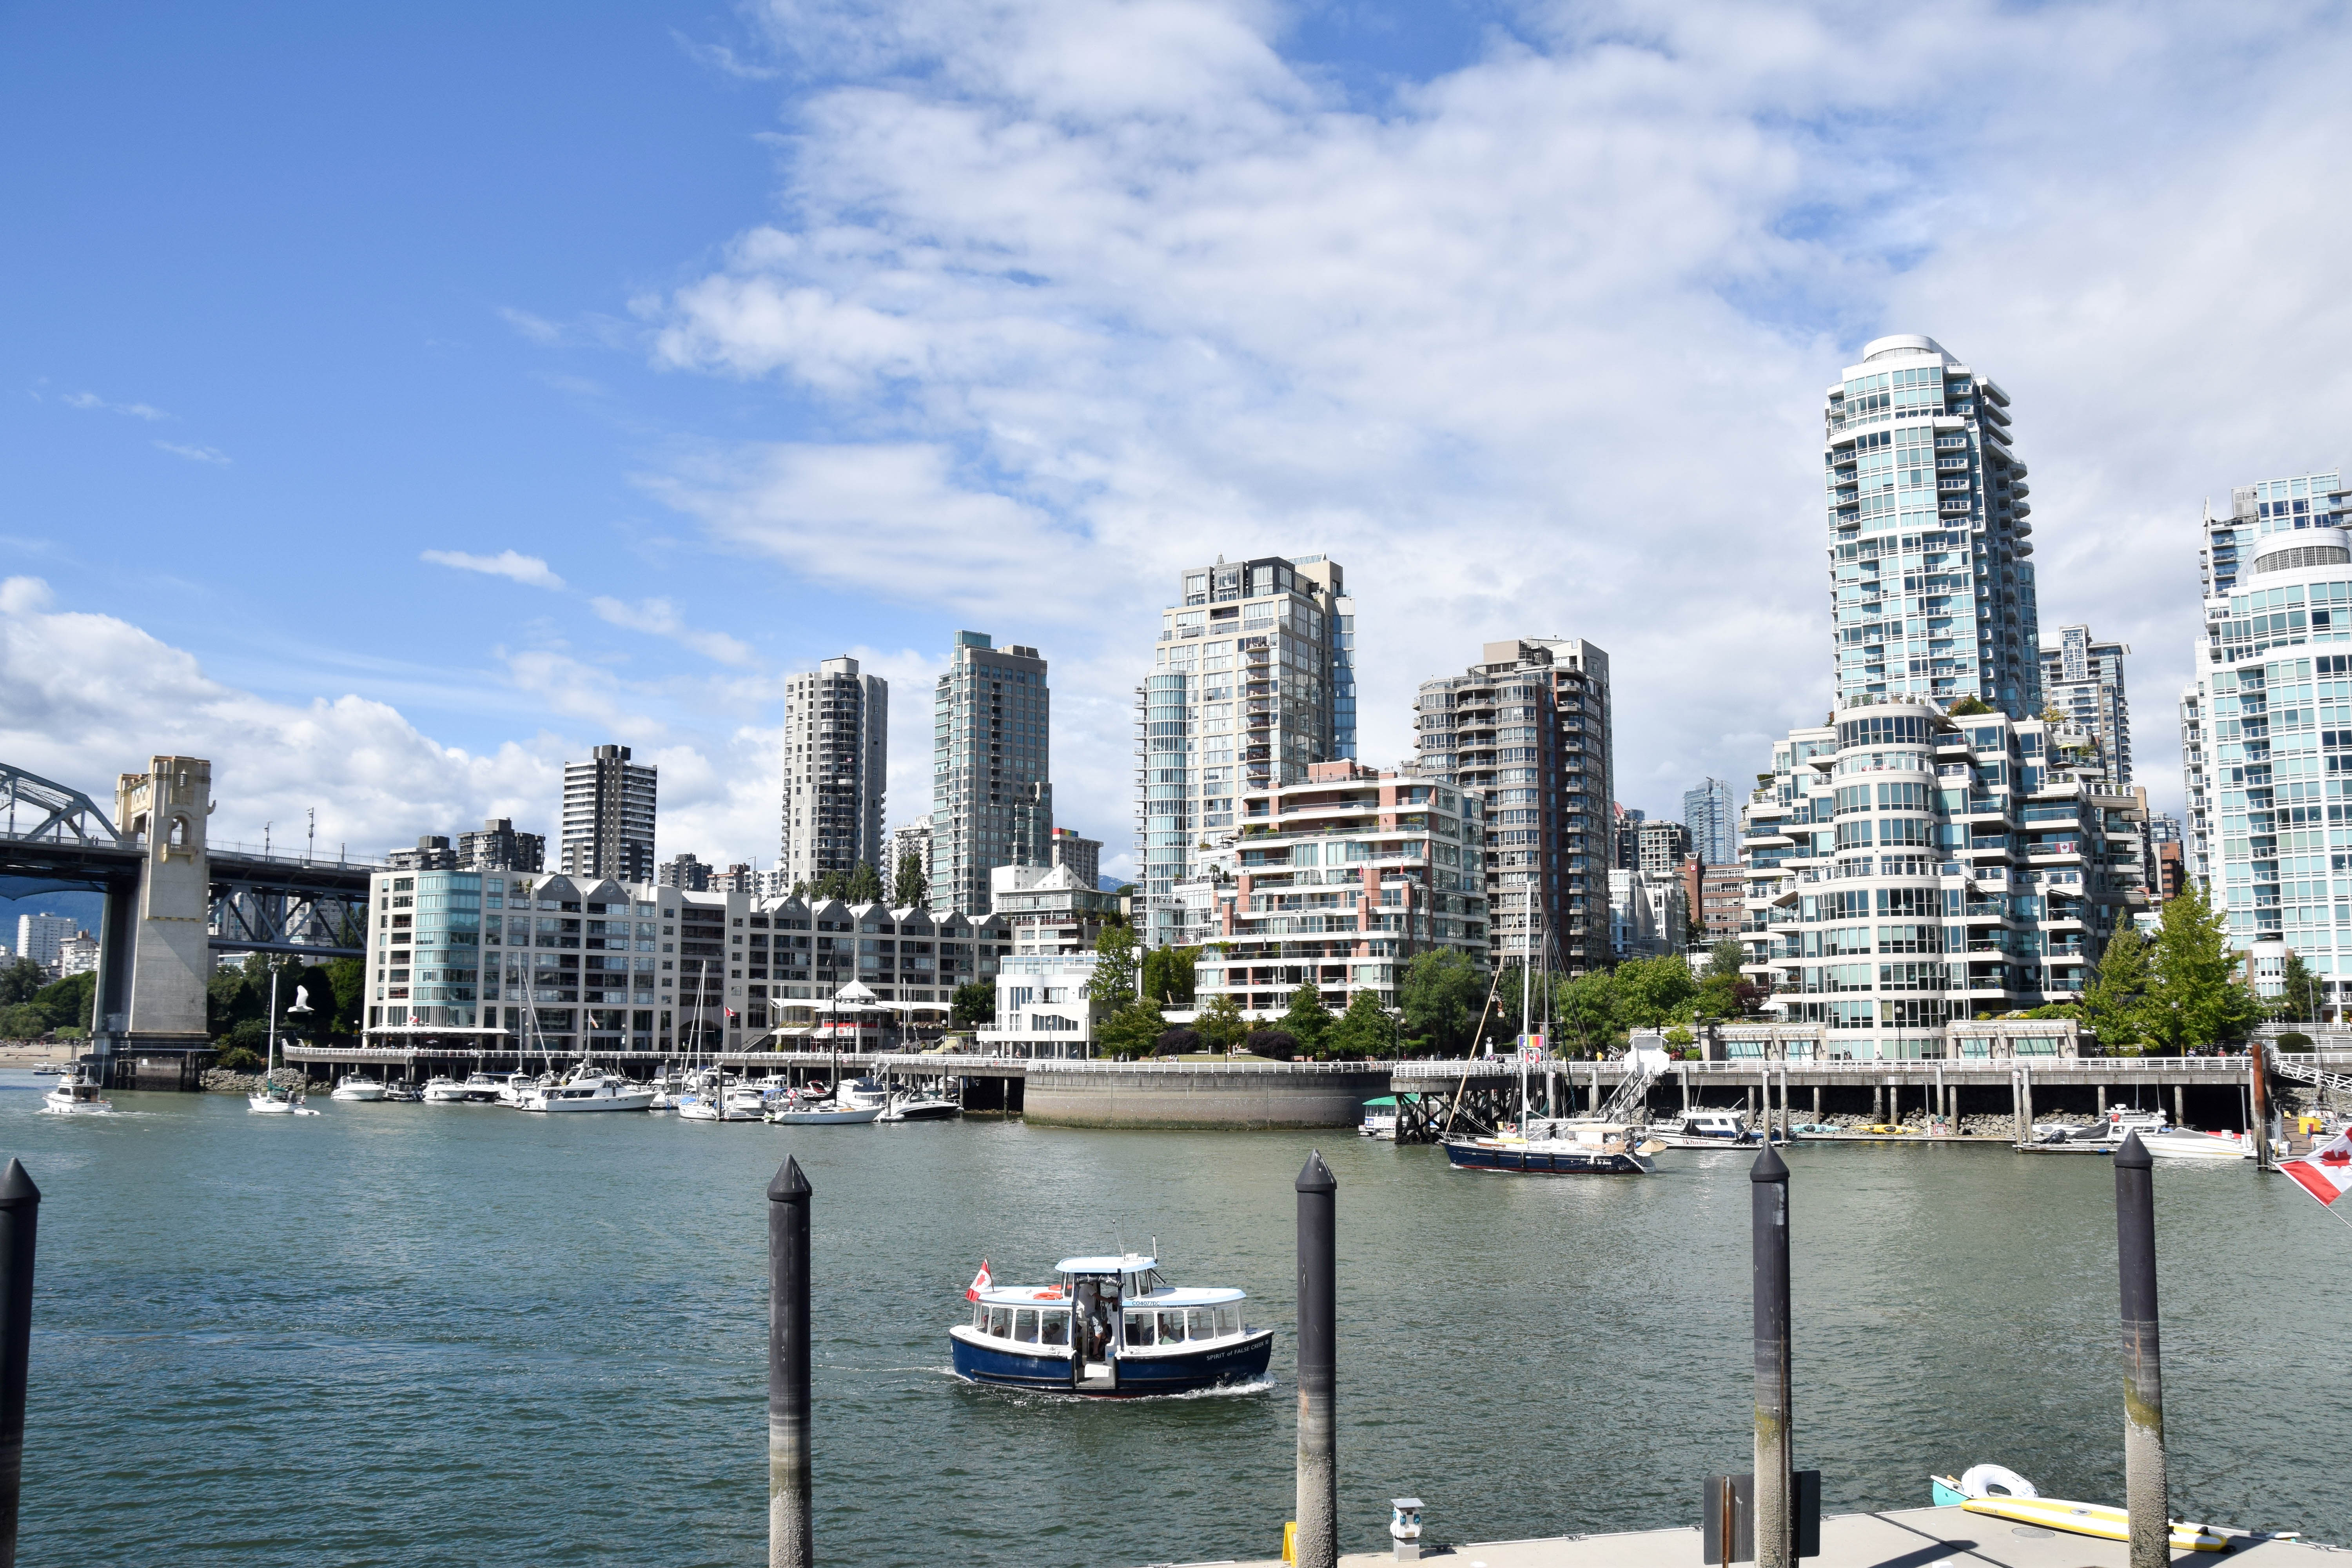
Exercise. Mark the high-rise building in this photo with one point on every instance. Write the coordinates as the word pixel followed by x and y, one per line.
pixel 1931 593
pixel 2296 503
pixel 1664 847
pixel 608 816
pixel 1082 856
pixel 1527 730
pixel 78 955
pixel 2082 678
pixel 991 769
pixel 432 854
pixel 1253 682
pixel 2274 667
pixel 1625 838
pixel 911 840
pixel 836 769
pixel 1713 818
pixel 498 848
pixel 683 872
pixel 41 937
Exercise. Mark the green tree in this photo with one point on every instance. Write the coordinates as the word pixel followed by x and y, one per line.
pixel 832 885
pixel 1590 1012
pixel 347 981
pixel 1441 995
pixel 65 1003
pixel 1169 975
pixel 1654 992
pixel 1220 1025
pixel 800 889
pixel 2298 996
pixel 1365 1030
pixel 23 1021
pixel 1969 707
pixel 2194 998
pixel 1132 1031
pixel 911 887
pixel 2114 1000
pixel 974 1005
pixel 1113 986
pixel 1308 1021
pixel 865 886
pixel 20 980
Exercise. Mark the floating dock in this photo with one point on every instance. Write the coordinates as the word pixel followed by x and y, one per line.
pixel 1906 1538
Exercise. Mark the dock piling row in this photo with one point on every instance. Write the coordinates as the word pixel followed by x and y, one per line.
pixel 1317 1541
pixel 790 1521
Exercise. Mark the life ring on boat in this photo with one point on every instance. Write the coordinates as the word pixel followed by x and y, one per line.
pixel 1980 1480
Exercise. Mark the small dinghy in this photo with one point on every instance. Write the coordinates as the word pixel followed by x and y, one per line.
pixel 1112 1328
pixel 1999 1493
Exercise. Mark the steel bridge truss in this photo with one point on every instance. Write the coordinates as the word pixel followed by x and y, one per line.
pixel 307 921
pixel 41 811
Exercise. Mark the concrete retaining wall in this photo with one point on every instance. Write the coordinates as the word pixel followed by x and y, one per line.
pixel 1195 1094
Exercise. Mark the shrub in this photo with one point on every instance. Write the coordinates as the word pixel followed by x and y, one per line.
pixel 237 1058
pixel 2292 1041
pixel 1178 1042
pixel 1277 1045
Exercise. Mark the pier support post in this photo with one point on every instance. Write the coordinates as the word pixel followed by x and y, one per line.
pixel 20 1216
pixel 1816 1104
pixel 789 1535
pixel 2179 1107
pixel 2258 1085
pixel 2146 1496
pixel 1317 1544
pixel 1768 1243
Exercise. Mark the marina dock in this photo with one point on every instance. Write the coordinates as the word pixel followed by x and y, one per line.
pixel 1905 1538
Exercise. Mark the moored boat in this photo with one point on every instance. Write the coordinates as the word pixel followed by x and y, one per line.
pixel 1379 1118
pixel 1701 1129
pixel 2157 1135
pixel 75 1093
pixel 920 1107
pixel 1111 1328
pixel 1547 1146
pixel 822 1113
pixel 352 1085
pixel 586 1089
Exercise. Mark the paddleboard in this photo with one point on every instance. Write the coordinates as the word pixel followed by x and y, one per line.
pixel 2088 1518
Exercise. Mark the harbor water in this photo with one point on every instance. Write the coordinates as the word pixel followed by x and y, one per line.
pixel 409 1333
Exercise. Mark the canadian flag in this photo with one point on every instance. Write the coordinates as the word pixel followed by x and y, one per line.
pixel 980 1281
pixel 2327 1172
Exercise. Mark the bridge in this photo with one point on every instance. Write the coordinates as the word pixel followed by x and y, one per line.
pixel 173 902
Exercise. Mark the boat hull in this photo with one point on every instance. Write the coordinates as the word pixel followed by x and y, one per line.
pixel 846 1118
pixel 923 1111
pixel 1541 1161
pixel 1221 1365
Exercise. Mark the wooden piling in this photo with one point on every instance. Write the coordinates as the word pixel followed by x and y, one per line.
pixel 1769 1247
pixel 20 1217
pixel 2146 1498
pixel 1317 1541
pixel 791 1536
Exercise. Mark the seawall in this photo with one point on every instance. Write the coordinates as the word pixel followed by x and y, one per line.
pixel 1200 1094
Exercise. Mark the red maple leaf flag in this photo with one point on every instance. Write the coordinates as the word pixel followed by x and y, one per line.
pixel 2327 1172
pixel 980 1281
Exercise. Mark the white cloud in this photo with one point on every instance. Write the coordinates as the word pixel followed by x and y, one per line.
pixel 723 60
pixel 659 617
pixel 195 454
pixel 538 329
pixel 528 569
pixel 1534 346
pixel 91 400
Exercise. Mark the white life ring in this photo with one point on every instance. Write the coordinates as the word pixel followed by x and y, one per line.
pixel 1981 1479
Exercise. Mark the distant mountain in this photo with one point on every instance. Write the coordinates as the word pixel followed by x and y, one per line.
pixel 1109 884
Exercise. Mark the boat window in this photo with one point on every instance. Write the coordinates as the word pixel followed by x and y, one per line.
pixel 1000 1322
pixel 1138 1329
pixel 980 1320
pixel 1171 1328
pixel 1229 1320
pixel 1054 1328
pixel 1025 1325
pixel 1201 1323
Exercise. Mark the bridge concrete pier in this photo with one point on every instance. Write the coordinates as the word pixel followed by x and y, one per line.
pixel 168 806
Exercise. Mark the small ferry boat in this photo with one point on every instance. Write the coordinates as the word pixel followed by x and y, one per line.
pixel 352 1085
pixel 1698 1129
pixel 1548 1146
pixel 1379 1118
pixel 75 1093
pixel 1112 1328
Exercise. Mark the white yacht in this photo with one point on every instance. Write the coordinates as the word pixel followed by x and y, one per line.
pixel 588 1089
pixel 710 1096
pixel 513 1088
pixel 77 1094
pixel 1700 1129
pixel 352 1085
pixel 922 1106
pixel 2157 1135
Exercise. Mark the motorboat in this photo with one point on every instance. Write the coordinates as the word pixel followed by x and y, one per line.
pixel 1379 1118
pixel 920 1107
pixel 403 1090
pixel 352 1085
pixel 75 1093
pixel 275 1099
pixel 1109 1327
pixel 822 1113
pixel 49 1069
pixel 1701 1129
pixel 511 1088
pixel 588 1089
pixel 711 1096
pixel 442 1089
pixel 1557 1146
pixel 2157 1135
pixel 863 1092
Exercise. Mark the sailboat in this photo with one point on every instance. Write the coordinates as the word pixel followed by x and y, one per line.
pixel 274 1099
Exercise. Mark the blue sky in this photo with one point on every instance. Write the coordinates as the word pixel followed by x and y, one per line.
pixel 701 344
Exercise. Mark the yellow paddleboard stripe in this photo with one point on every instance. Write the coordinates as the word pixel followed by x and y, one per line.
pixel 2100 1520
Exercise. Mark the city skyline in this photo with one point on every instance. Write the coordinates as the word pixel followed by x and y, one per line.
pixel 548 450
